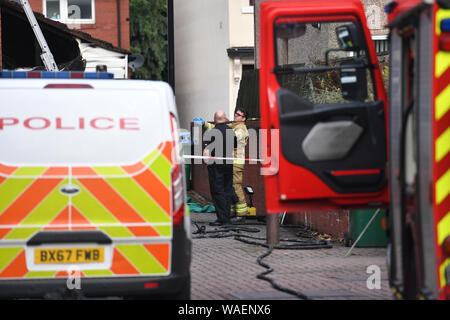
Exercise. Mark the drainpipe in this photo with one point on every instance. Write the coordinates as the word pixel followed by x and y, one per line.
pixel 119 43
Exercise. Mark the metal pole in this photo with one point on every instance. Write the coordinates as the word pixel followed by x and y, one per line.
pixel 283 215
pixel 272 229
pixel 362 232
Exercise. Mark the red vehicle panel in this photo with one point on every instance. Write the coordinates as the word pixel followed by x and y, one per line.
pixel 323 162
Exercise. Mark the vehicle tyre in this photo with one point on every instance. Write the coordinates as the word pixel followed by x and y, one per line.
pixel 183 294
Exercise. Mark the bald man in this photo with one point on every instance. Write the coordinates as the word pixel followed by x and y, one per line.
pixel 220 117
pixel 220 172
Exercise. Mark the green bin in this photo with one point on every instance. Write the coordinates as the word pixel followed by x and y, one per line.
pixel 375 235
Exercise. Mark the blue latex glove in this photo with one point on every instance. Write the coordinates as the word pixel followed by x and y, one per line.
pixel 199 121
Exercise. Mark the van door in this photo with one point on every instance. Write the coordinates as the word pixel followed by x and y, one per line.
pixel 86 180
pixel 322 92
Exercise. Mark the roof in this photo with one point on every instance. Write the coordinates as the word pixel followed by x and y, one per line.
pixel 63 27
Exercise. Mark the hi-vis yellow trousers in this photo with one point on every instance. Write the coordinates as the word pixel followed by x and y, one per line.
pixel 239 208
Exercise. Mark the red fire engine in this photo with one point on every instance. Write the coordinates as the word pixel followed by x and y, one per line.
pixel 342 146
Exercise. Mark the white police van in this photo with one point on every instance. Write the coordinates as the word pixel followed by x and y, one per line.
pixel 92 188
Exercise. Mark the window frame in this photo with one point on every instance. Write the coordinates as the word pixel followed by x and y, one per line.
pixel 64 14
pixel 381 41
pixel 341 19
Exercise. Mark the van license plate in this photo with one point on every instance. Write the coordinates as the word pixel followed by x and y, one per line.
pixel 69 255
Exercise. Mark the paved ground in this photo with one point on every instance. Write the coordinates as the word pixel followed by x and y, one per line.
pixel 227 269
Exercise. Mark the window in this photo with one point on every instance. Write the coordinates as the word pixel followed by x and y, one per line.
pixel 52 10
pixel 308 61
pixel 70 11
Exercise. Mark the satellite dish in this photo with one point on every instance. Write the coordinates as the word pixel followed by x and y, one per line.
pixel 135 61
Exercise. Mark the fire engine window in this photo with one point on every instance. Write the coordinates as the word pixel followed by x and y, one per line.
pixel 309 57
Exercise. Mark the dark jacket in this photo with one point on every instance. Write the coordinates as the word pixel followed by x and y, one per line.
pixel 228 143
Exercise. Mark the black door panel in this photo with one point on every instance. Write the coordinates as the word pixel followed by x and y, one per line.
pixel 343 144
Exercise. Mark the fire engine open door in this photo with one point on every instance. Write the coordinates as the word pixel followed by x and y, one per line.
pixel 321 86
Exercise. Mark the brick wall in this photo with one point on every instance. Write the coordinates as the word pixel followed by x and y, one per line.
pixel 334 223
pixel 105 27
pixel 36 5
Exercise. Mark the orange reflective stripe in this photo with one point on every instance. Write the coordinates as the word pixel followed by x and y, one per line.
pixel 155 188
pixel 121 265
pixel 31 197
pixel 133 169
pixel 143 231
pixel 77 218
pixel 17 268
pixel 7 170
pixel 83 171
pixel 56 171
pixel 4 232
pixel 105 201
pixel 160 252
pixel 111 200
pixel 64 220
pixel 167 151
pixel 60 222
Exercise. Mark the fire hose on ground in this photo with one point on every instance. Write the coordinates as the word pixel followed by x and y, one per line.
pixel 234 230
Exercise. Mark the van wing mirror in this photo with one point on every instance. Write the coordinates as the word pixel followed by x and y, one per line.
pixel 353 80
pixel 348 37
pixel 290 30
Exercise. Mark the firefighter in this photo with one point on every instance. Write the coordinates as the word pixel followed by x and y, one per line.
pixel 239 207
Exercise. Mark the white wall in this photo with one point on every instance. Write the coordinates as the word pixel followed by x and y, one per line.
pixel 241 35
pixel 201 35
pixel 241 24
